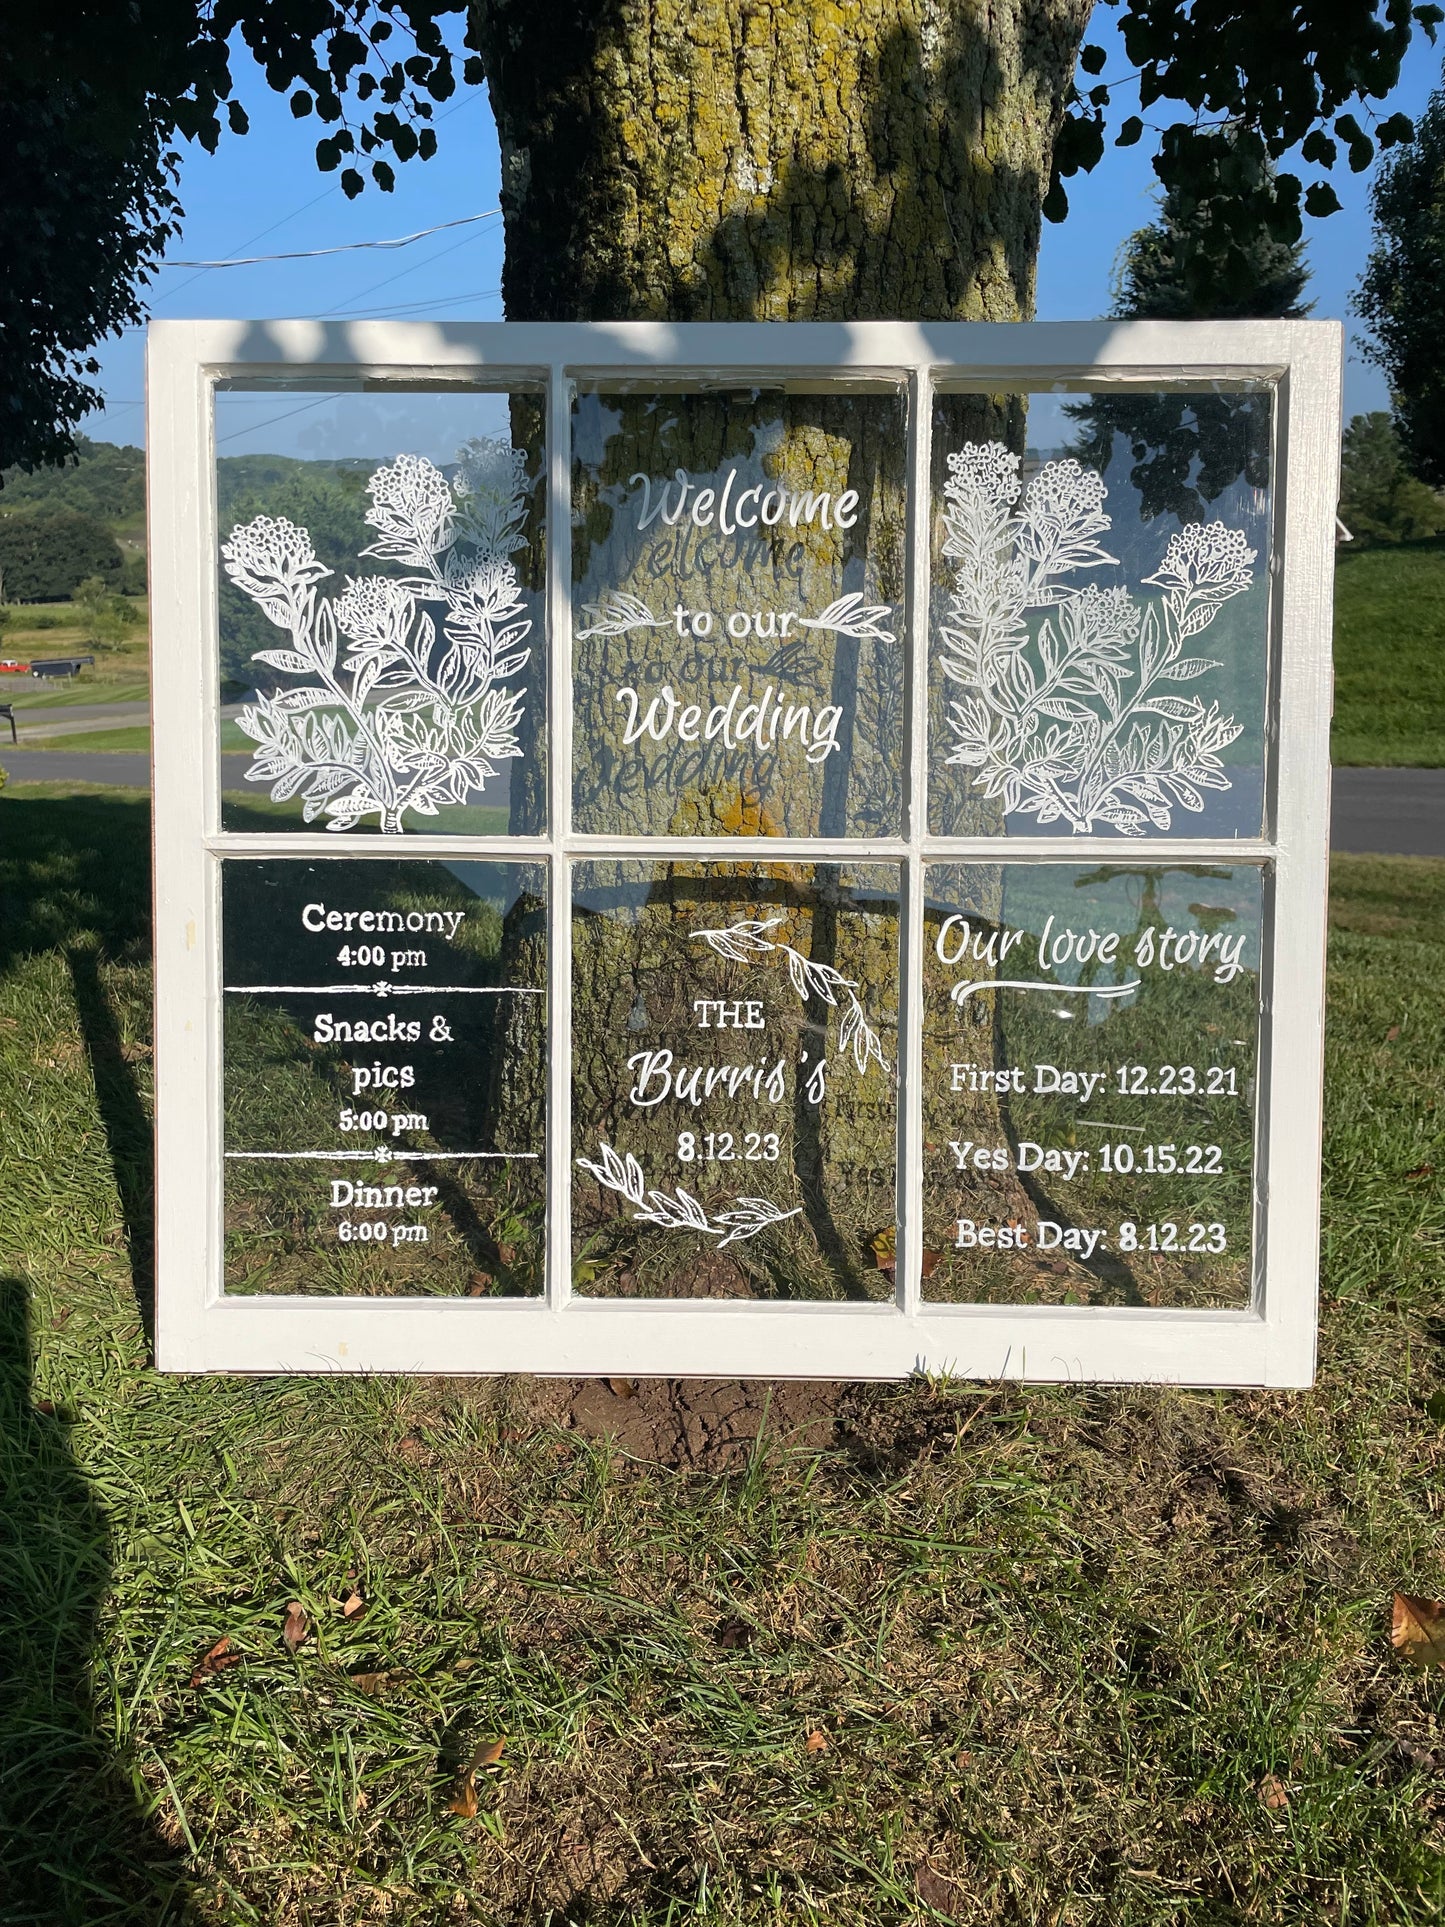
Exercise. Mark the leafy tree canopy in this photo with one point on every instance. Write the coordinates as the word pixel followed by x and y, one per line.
pixel 45 553
pixel 1402 291
pixel 95 96
pixel 1380 500
pixel 1195 263
pixel 103 479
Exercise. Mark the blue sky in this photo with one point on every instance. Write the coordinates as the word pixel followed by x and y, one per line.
pixel 261 194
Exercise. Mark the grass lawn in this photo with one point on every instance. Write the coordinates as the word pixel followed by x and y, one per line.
pixel 1390 655
pixel 137 739
pixel 1072 1656
pixel 120 675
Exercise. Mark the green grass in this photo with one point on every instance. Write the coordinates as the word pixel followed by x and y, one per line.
pixel 136 739
pixel 1057 1640
pixel 119 675
pixel 1389 654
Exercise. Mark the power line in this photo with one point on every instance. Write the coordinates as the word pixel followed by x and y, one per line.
pixel 411 267
pixel 346 247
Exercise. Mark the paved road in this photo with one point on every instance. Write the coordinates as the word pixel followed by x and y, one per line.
pixel 100 766
pixel 1387 812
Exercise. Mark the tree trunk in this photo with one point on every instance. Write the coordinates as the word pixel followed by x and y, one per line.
pixel 775 160
pixel 768 160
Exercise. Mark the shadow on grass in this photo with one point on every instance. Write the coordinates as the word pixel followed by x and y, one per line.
pixel 76 1851
pixel 75 879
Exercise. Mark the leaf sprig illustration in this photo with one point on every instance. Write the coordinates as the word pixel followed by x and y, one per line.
pixel 393 717
pixel 741 942
pixel 679 1210
pixel 620 612
pixel 1078 724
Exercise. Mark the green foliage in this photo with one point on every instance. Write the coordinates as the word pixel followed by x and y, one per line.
pixel 1209 255
pixel 46 552
pixel 326 498
pixel 102 479
pixel 1402 291
pixel 1389 645
pixel 1213 253
pixel 1281 74
pixel 106 618
pixel 92 102
pixel 1380 500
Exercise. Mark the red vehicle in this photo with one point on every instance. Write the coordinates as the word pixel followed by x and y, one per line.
pixel 8 668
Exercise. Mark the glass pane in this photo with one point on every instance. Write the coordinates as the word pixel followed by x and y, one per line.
pixel 384 1077
pixel 737 606
pixel 1090 1049
pixel 1100 613
pixel 381 610
pixel 734 1115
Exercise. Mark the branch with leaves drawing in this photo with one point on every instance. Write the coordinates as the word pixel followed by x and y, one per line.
pixel 679 1210
pixel 1078 723
pixel 619 613
pixel 393 717
pixel 741 942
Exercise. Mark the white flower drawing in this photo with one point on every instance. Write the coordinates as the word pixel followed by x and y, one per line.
pixel 1077 724
pixel 388 716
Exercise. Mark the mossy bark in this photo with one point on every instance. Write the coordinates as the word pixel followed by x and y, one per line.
pixel 776 160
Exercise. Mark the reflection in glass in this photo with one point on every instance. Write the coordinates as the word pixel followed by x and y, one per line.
pixel 1089 1063
pixel 384 1112
pixel 1100 615
pixel 381 616
pixel 734 1114
pixel 737 613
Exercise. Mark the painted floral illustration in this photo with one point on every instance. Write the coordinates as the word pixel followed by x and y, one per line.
pixel 396 709
pixel 1083 722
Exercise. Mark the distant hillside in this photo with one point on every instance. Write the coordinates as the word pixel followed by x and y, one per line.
pixel 107 481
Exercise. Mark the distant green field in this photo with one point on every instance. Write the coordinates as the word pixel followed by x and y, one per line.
pixel 1389 653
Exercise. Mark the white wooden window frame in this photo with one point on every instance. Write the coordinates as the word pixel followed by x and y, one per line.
pixel 200 1328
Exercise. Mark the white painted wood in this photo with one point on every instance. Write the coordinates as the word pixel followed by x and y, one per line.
pixel 199 1329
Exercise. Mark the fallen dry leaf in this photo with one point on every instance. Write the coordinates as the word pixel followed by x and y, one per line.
pixel 936 1890
pixel 214 1661
pixel 411 1447
pixel 368 1682
pixel 464 1800
pixel 45 1407
pixel 1417 1629
pixel 622 1388
pixel 1392 1033
pixel 816 1742
pixel 1272 1794
pixel 296 1626
pixel 482 1282
pixel 885 1248
pixel 734 1634
pixel 353 1604
pixel 1421 1171
pixel 931 1261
